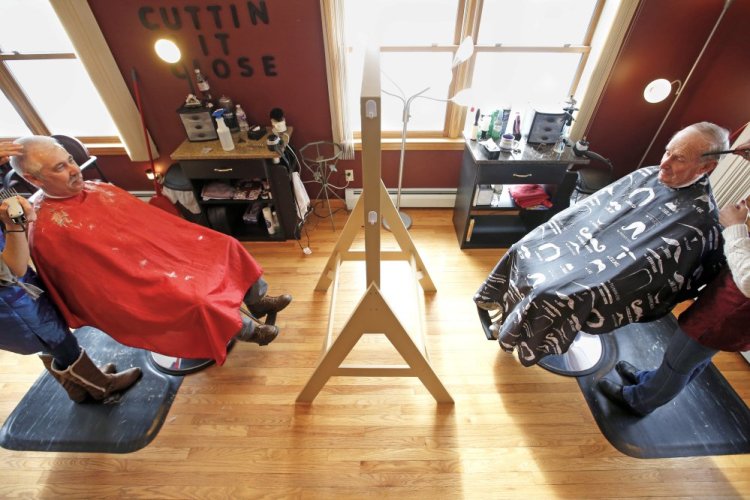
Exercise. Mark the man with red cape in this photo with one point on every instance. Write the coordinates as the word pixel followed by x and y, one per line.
pixel 147 278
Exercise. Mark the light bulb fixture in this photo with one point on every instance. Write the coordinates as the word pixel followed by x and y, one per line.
pixel 465 50
pixel 169 52
pixel 659 89
pixel 465 97
pixel 150 175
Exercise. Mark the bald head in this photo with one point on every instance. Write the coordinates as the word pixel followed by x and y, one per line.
pixel 683 162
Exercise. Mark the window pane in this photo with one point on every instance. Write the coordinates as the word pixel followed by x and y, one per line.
pixel 539 80
pixel 535 23
pixel 412 73
pixel 400 22
pixel 31 26
pixel 11 125
pixel 74 108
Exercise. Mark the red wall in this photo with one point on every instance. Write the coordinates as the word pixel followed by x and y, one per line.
pixel 291 40
pixel 663 41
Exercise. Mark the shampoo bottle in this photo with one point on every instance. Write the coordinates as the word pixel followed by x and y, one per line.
pixel 225 136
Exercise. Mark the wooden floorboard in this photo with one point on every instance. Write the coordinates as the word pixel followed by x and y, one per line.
pixel 235 432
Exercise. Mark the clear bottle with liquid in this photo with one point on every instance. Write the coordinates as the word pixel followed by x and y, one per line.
pixel 203 85
pixel 241 117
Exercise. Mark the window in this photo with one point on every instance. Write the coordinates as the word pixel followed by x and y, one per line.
pixel 45 88
pixel 530 53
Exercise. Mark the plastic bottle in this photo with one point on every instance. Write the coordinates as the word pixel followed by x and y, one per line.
pixel 493 119
pixel 484 127
pixel 225 136
pixel 517 126
pixel 268 216
pixel 239 113
pixel 203 85
pixel 501 121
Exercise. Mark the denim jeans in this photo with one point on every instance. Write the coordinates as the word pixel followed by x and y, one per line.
pixel 65 353
pixel 684 360
pixel 256 292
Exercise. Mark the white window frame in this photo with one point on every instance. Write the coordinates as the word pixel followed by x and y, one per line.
pixel 93 52
pixel 598 55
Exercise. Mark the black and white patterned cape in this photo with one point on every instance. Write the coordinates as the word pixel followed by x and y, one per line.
pixel 628 253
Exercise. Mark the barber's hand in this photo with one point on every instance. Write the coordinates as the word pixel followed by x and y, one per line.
pixel 733 214
pixel 743 150
pixel 28 211
pixel 8 149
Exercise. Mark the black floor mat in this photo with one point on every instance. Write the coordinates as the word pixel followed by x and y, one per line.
pixel 707 418
pixel 46 420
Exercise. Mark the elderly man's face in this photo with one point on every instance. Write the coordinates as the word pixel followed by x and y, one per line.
pixel 681 163
pixel 59 176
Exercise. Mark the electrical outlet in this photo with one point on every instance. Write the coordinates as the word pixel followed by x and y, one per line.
pixel 349 174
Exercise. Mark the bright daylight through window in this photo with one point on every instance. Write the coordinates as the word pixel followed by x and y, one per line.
pixel 45 88
pixel 527 54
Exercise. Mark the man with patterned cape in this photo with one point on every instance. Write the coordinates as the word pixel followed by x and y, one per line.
pixel 628 253
pixel 147 278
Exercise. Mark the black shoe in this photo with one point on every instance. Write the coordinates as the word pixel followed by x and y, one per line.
pixel 613 391
pixel 628 372
pixel 270 304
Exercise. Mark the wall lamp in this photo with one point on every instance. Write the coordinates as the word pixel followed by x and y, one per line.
pixel 660 89
pixel 151 175
pixel 169 52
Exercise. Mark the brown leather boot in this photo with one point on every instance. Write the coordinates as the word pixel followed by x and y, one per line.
pixel 96 383
pixel 261 334
pixel 270 304
pixel 75 391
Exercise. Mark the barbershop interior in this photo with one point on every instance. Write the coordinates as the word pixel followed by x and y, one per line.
pixel 346 249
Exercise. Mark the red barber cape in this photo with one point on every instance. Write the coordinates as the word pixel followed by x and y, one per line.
pixel 147 278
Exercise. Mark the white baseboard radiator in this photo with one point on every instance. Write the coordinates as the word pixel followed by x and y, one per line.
pixel 412 197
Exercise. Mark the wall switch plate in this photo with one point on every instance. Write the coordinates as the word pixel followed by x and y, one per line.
pixel 349 174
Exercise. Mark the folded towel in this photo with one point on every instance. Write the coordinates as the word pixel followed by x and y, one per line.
pixel 529 195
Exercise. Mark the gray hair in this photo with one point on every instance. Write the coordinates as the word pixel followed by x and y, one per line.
pixel 717 138
pixel 27 163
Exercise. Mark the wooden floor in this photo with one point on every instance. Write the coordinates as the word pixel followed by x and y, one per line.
pixel 234 431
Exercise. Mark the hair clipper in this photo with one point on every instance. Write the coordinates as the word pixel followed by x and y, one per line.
pixel 15 210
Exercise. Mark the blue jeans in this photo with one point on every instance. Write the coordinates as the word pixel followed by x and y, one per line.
pixel 684 360
pixel 252 297
pixel 256 292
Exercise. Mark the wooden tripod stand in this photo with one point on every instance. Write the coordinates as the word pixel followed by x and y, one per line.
pixel 373 314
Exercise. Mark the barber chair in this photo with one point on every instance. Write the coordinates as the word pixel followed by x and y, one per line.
pixel 587 351
pixel 73 146
pixel 166 364
pixel 592 176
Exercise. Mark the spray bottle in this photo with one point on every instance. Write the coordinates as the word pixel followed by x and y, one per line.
pixel 225 136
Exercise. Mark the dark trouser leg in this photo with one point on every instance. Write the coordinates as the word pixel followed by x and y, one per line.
pixel 256 293
pixel 65 353
pixel 684 360
pixel 260 304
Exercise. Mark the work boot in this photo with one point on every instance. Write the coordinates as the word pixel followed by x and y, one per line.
pixel 628 372
pixel 95 382
pixel 75 392
pixel 270 304
pixel 258 333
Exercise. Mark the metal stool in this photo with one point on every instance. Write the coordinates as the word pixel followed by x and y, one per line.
pixel 320 159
